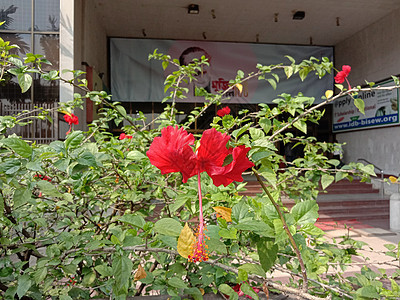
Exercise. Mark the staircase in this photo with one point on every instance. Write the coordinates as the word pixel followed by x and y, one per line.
pixel 344 202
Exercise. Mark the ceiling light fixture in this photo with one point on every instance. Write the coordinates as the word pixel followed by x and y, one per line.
pixel 299 15
pixel 193 9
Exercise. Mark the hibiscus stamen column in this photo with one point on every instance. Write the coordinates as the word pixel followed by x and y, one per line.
pixel 199 248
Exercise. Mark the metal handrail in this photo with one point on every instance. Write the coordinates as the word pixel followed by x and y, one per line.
pixel 382 191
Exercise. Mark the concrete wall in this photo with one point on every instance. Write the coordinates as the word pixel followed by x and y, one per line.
pixel 83 39
pixel 93 38
pixel 373 54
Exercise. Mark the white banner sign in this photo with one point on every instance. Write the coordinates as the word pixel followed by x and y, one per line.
pixel 381 109
pixel 135 78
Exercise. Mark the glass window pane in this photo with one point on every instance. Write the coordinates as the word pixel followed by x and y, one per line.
pixel 17 14
pixel 49 46
pixel 22 40
pixel 47 15
pixel 45 91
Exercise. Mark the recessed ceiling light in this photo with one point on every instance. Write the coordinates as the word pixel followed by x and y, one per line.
pixel 193 9
pixel 299 15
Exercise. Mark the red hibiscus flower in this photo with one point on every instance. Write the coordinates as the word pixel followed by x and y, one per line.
pixel 71 119
pixel 342 75
pixel 124 136
pixel 224 111
pixel 172 152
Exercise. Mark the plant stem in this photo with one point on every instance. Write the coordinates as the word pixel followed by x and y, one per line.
pixel 286 228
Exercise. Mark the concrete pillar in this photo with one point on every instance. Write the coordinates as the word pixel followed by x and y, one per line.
pixel 395 212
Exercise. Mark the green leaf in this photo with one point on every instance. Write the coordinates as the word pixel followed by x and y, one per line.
pixel 104 270
pixel 369 169
pixel 272 83
pixel 34 166
pixel 25 81
pixel 369 292
pixel 48 188
pixel 216 245
pixel 301 125
pixel 303 73
pixel 253 225
pixel 24 284
pixel 246 288
pixel 359 103
pixel 165 64
pixel 89 278
pixel 18 146
pixel 65 297
pixel 269 175
pixel 62 164
pixel 228 233
pixel 177 283
pixel 288 71
pixel 242 275
pixel 390 246
pixel 122 269
pixel 135 155
pixel 168 226
pixel 253 269
pixel 265 124
pixel 40 275
pixel 134 220
pixel 305 212
pixel 311 229
pixel 10 166
pixel 21 196
pixel 240 211
pixel 87 159
pixel 326 180
pixel 121 110
pixel 74 139
pixel 227 290
pixel 267 253
pixel 256 133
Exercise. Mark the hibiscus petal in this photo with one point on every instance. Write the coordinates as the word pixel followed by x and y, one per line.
pixel 212 151
pixel 224 111
pixel 233 171
pixel 171 152
pixel 340 77
pixel 346 69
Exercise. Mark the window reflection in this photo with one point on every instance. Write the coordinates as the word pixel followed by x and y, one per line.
pixel 17 15
pixel 47 15
pixel 49 46
pixel 22 40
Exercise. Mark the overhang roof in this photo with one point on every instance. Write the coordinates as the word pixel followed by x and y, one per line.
pixel 326 22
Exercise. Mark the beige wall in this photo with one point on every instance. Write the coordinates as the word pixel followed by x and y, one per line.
pixel 374 55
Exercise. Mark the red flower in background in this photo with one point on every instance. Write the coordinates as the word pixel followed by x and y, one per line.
pixel 42 177
pixel 172 152
pixel 238 290
pixel 224 111
pixel 342 75
pixel 124 136
pixel 71 119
